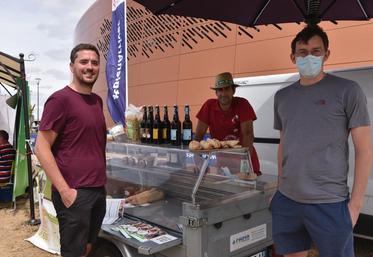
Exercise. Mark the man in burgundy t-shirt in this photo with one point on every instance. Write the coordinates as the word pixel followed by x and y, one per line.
pixel 79 149
pixel 228 117
pixel 71 148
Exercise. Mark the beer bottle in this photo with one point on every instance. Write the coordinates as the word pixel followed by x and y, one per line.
pixel 176 128
pixel 149 125
pixel 143 127
pixel 157 127
pixel 187 127
pixel 166 126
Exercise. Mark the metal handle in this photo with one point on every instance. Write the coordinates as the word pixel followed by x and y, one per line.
pixel 200 177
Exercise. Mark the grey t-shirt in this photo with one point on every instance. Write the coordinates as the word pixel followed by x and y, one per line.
pixel 316 121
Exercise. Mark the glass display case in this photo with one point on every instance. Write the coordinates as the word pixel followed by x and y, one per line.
pixel 177 190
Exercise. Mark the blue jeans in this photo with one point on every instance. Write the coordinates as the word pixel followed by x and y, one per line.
pixel 297 225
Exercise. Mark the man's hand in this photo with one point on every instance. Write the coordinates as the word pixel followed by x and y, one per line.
pixel 68 197
pixel 354 212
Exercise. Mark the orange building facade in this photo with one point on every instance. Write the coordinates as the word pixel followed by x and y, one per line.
pixel 174 60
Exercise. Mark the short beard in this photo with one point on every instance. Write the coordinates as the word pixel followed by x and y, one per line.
pixel 85 84
pixel 90 85
pixel 225 101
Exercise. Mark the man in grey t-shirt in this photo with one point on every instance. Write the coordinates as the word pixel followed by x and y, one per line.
pixel 315 117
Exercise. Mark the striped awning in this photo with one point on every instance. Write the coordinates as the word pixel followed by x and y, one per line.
pixel 10 69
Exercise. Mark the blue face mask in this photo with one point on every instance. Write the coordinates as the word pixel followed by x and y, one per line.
pixel 309 66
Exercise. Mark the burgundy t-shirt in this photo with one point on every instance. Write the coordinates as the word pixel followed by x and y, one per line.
pixel 226 126
pixel 79 149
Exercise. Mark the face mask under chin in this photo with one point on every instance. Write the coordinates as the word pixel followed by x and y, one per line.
pixel 309 66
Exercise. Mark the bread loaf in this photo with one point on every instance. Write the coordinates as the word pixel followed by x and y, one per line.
pixel 148 196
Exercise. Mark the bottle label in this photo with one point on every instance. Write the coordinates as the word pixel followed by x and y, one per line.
pixel 143 133
pixel 245 166
pixel 155 133
pixel 174 134
pixel 187 134
pixel 147 133
pixel 164 133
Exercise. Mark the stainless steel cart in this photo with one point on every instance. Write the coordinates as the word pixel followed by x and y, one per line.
pixel 207 210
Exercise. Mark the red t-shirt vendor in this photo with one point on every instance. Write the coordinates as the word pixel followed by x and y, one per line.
pixel 228 117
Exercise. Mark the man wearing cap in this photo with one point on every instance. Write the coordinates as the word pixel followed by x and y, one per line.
pixel 228 117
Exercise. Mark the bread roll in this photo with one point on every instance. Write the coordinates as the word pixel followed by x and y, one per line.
pixel 224 144
pixel 218 142
pixel 232 143
pixel 214 142
pixel 206 145
pixel 194 145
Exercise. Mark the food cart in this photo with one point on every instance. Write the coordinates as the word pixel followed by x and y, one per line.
pixel 204 209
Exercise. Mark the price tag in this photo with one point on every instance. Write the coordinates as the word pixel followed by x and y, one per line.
pixel 163 239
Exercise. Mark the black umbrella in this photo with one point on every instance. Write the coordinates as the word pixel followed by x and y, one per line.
pixel 259 12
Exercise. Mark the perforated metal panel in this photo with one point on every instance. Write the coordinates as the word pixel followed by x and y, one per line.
pixel 148 34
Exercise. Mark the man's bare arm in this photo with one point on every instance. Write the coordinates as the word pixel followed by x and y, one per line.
pixel 43 150
pixel 247 133
pixel 200 130
pixel 361 138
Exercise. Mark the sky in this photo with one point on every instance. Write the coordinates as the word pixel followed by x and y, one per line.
pixel 42 30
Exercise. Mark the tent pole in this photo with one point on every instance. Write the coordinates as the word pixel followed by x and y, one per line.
pixel 25 104
pixel 5 88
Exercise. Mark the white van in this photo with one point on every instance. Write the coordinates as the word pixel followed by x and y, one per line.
pixel 260 91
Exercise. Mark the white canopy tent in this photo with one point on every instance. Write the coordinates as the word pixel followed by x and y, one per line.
pixel 10 69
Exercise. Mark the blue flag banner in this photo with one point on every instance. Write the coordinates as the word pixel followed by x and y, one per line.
pixel 116 64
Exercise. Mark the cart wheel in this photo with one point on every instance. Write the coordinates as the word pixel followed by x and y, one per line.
pixel 105 249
